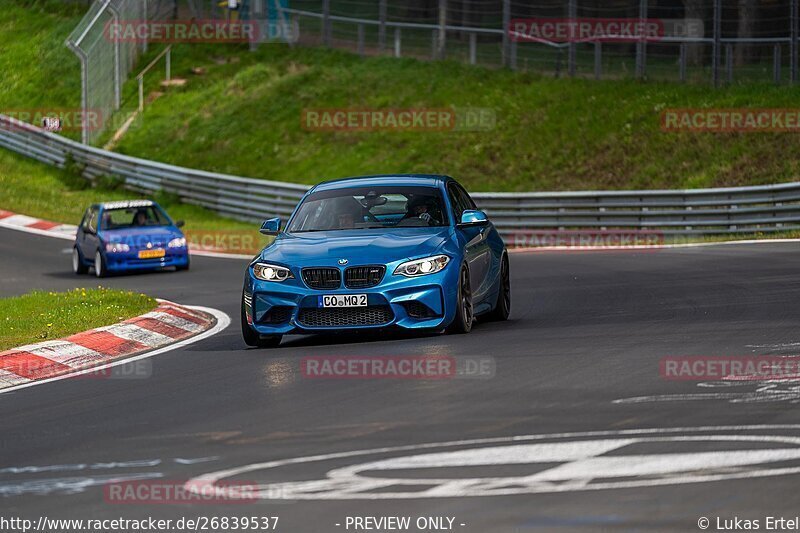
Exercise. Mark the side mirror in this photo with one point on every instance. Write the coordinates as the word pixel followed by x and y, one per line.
pixel 473 217
pixel 271 226
pixel 180 224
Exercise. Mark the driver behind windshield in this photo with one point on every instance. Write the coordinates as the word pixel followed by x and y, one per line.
pixel 424 208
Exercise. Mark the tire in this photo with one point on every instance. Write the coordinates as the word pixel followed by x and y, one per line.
pixel 100 265
pixel 252 338
pixel 184 267
pixel 78 266
pixel 464 310
pixel 502 308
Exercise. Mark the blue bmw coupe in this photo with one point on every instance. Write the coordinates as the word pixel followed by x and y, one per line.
pixel 128 235
pixel 408 251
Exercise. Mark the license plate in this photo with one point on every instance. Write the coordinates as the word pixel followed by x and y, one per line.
pixel 151 254
pixel 342 300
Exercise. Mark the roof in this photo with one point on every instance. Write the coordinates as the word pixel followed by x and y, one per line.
pixel 125 204
pixel 408 180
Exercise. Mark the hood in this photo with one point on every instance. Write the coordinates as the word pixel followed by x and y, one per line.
pixel 140 236
pixel 359 247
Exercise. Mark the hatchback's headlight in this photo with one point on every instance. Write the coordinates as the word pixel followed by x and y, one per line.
pixel 269 272
pixel 422 267
pixel 117 247
pixel 178 242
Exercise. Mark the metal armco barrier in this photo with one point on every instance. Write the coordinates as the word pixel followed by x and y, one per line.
pixel 767 208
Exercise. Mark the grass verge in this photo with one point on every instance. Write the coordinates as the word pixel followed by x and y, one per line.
pixel 41 315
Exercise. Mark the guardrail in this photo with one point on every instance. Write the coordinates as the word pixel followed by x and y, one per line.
pixel 767 208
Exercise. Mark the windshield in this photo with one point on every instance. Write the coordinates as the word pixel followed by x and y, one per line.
pixel 133 217
pixel 370 207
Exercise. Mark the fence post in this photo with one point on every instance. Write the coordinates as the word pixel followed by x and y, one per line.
pixel 572 14
pixel 776 64
pixel 169 63
pixel 598 60
pixel 397 42
pixel 117 60
pixel 435 44
pixel 361 39
pixel 440 45
pixel 506 52
pixel 715 50
pixel 514 55
pixel 382 25
pixel 793 42
pixel 682 63
pixel 326 22
pixel 641 44
pixel 473 45
pixel 729 61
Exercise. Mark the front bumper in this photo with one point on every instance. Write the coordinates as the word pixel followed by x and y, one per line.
pixel 425 302
pixel 126 261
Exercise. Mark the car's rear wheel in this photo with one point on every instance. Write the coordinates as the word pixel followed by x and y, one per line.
pixel 99 265
pixel 464 310
pixel 78 266
pixel 252 338
pixel 503 306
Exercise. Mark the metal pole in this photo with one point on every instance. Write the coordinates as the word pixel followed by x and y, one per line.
pixel 397 42
pixel 729 61
pixel 382 25
pixel 435 44
pixel 715 51
pixel 506 28
pixel 572 14
pixel 440 48
pixel 141 94
pixel 473 38
pixel 793 42
pixel 169 63
pixel 361 39
pixel 777 64
pixel 682 72
pixel 641 45
pixel 326 22
pixel 117 70
pixel 514 55
pixel 598 60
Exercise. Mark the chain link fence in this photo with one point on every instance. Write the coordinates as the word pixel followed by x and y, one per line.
pixel 698 40
pixel 106 63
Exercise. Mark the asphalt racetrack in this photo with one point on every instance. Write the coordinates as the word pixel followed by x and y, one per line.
pixel 574 430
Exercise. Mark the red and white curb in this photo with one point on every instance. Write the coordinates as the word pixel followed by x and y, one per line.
pixel 48 228
pixel 166 328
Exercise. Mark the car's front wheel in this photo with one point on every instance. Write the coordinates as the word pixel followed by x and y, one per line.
pixel 252 338
pixel 464 310
pixel 100 265
pixel 78 266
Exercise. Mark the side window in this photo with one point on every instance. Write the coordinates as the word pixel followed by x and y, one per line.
pixel 455 202
pixel 91 225
pixel 466 199
pixel 85 220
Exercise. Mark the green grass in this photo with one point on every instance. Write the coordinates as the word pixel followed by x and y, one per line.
pixel 243 116
pixel 36 189
pixel 41 315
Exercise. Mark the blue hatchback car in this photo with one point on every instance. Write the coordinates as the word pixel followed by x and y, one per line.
pixel 409 251
pixel 126 236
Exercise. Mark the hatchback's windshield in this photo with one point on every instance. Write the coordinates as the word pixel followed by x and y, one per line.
pixel 370 207
pixel 133 217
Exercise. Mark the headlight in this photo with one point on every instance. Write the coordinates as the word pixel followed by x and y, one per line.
pixel 269 272
pixel 178 242
pixel 422 267
pixel 115 247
